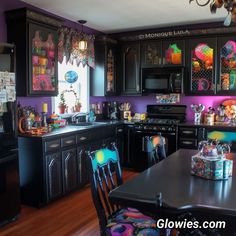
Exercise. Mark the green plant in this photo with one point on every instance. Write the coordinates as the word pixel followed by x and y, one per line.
pixel 62 99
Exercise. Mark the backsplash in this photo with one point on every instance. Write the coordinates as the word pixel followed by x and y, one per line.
pixel 138 104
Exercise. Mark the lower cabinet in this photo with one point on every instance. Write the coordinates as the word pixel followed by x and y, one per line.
pixel 53 166
pixel 190 136
pixel 82 165
pixel 69 170
pixel 53 176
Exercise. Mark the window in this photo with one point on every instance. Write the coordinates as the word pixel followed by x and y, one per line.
pixel 80 87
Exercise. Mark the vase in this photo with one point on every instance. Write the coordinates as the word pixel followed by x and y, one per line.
pixel 62 109
pixel 197 118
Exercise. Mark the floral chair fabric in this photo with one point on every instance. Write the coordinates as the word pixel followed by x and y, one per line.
pixel 130 221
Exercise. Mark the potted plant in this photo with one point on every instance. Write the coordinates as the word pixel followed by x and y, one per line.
pixel 62 105
pixel 78 105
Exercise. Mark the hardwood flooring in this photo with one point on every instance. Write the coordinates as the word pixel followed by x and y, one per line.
pixel 70 216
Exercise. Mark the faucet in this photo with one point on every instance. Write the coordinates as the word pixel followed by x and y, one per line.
pixel 74 117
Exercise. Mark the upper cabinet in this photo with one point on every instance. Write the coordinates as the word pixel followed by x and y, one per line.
pixel 35 37
pixel 162 53
pixel 226 70
pixel 130 61
pixel 103 77
pixel 201 54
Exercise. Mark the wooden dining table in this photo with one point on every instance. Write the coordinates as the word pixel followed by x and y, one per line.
pixel 180 190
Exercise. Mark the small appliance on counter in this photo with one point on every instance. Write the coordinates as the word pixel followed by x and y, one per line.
pixel 110 110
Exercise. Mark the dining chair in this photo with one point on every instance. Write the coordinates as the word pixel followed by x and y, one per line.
pixel 154 146
pixel 114 220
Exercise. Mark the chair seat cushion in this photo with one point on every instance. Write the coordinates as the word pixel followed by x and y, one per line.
pixel 130 221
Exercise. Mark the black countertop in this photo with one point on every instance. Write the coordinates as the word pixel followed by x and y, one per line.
pixel 74 128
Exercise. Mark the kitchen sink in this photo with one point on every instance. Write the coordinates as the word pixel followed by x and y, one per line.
pixel 95 123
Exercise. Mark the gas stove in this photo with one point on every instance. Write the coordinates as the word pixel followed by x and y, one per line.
pixel 160 121
pixel 162 118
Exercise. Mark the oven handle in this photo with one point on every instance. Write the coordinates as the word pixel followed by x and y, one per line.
pixel 154 132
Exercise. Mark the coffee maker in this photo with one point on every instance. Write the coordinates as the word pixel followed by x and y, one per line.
pixel 110 110
pixel 114 111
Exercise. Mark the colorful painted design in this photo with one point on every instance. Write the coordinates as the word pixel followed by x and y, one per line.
pixel 157 140
pixel 222 136
pixel 174 54
pixel 71 76
pixel 130 221
pixel 211 168
pixel 103 156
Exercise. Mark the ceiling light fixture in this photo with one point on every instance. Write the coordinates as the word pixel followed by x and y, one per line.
pixel 83 44
pixel 229 5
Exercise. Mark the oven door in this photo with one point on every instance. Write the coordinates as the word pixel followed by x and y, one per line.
pixel 139 158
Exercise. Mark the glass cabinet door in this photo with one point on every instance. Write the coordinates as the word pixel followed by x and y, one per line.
pixel 43 58
pixel 202 66
pixel 227 66
pixel 151 53
pixel 110 72
pixel 173 52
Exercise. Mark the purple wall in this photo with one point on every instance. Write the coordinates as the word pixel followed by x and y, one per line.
pixel 138 104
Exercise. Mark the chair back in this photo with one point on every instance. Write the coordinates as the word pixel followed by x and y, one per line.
pixel 154 146
pixel 105 176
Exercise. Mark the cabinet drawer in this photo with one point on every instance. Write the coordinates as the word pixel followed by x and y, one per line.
pixel 188 132
pixel 188 143
pixel 84 137
pixel 52 145
pixel 68 141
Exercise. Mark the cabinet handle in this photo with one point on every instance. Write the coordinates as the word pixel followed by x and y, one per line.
pixel 83 138
pixel 187 132
pixel 187 142
pixel 69 141
pixel 54 145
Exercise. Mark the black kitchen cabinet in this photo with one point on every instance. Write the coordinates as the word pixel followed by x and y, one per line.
pixel 55 165
pixel 201 64
pixel 69 162
pixel 130 61
pixel 82 165
pixel 163 53
pixel 53 176
pixel 190 136
pixel 103 76
pixel 35 36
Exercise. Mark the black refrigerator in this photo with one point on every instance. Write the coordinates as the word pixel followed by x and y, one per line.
pixel 9 164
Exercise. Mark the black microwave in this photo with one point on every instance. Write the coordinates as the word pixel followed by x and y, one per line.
pixel 162 80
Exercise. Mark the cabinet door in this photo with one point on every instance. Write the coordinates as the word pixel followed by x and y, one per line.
pixel 151 53
pixel 110 73
pixel 131 70
pixel 226 80
pixel 69 170
pixel 53 173
pixel 201 66
pixel 82 166
pixel 42 60
pixel 173 52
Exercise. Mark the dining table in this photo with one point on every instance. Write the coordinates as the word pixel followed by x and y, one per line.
pixel 170 187
pixel 171 184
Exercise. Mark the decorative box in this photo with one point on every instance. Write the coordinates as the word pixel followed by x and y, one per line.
pixel 211 167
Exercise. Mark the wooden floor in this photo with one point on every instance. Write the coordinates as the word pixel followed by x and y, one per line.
pixel 73 215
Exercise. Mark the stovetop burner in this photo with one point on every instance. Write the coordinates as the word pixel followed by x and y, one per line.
pixel 162 121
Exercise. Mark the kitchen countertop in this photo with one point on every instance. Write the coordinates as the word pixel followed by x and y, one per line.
pixel 71 128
